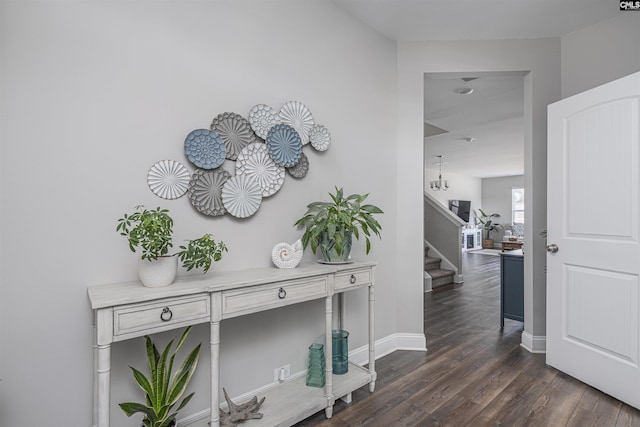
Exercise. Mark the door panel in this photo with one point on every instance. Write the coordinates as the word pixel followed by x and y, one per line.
pixel 588 303
pixel 593 330
pixel 601 156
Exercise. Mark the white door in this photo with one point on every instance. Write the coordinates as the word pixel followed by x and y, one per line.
pixel 592 280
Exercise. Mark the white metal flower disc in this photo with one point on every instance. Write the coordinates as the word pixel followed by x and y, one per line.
pixel 168 179
pixel 254 161
pixel 241 196
pixel 262 118
pixel 298 116
pixel 320 137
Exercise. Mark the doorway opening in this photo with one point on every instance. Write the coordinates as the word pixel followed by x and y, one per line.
pixel 474 140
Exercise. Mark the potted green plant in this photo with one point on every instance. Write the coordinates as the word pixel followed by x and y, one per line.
pixel 163 389
pixel 488 225
pixel 151 230
pixel 200 253
pixel 331 225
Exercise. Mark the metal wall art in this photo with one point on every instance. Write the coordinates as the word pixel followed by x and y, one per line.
pixel 262 146
pixel 235 131
pixel 284 144
pixel 168 179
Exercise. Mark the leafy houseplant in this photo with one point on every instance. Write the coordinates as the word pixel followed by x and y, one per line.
pixel 162 388
pixel 330 225
pixel 151 230
pixel 201 252
pixel 488 225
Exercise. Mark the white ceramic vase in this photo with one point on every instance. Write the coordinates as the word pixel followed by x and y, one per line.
pixel 159 272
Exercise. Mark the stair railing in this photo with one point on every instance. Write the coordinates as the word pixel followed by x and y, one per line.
pixel 443 231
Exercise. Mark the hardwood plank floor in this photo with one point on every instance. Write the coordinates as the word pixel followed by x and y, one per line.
pixel 474 373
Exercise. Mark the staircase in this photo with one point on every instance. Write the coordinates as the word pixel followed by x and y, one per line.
pixel 439 276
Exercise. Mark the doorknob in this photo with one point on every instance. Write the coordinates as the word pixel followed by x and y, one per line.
pixel 552 248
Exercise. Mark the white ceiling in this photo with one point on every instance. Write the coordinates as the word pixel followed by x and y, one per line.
pixel 493 112
pixel 421 20
pixel 492 115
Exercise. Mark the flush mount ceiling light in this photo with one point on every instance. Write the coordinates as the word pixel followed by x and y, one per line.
pixel 466 90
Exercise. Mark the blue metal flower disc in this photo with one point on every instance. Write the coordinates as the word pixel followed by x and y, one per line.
pixel 285 145
pixel 205 149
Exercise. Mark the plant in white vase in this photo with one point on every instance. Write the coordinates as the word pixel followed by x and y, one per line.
pixel 151 230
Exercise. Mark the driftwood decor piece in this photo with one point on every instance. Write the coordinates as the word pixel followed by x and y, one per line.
pixel 240 413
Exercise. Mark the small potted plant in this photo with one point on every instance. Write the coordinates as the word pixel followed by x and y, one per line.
pixel 200 253
pixel 152 230
pixel 488 225
pixel 163 389
pixel 331 225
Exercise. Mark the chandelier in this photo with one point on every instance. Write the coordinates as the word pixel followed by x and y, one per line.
pixel 439 184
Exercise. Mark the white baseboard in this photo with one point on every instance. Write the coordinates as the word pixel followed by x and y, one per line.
pixel 359 356
pixel 199 419
pixel 533 344
pixel 389 344
pixel 427 282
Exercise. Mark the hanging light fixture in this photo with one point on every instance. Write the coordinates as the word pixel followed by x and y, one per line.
pixel 440 184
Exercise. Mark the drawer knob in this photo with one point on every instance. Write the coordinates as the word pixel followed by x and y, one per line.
pixel 282 293
pixel 166 314
pixel 353 279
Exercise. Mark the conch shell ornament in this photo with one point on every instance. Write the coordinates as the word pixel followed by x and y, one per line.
pixel 285 255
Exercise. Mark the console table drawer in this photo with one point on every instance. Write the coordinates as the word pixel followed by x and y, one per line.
pixel 265 297
pixel 161 314
pixel 352 279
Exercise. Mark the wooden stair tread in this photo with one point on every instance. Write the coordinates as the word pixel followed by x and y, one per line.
pixel 439 272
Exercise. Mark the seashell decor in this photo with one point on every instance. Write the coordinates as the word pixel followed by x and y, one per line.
pixel 285 255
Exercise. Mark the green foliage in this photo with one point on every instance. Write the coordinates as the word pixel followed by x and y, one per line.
pixel 339 218
pixel 487 222
pixel 152 229
pixel 149 229
pixel 201 252
pixel 162 389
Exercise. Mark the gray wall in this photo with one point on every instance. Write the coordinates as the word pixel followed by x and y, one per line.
pixel 496 198
pixel 94 93
pixel 541 59
pixel 443 233
pixel 600 53
pixel 461 187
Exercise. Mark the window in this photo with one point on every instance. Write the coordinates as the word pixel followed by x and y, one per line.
pixel 517 205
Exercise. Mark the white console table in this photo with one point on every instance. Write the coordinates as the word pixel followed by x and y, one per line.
pixel 129 310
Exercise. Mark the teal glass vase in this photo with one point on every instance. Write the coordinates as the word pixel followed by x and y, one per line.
pixel 340 351
pixel 316 375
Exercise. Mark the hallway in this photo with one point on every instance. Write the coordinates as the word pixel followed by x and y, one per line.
pixel 474 374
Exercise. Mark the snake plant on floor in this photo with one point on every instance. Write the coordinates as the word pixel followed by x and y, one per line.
pixel 162 389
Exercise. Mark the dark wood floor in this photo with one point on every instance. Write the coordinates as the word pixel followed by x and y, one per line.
pixel 474 374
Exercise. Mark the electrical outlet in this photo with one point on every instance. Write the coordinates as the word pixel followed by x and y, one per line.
pixel 281 373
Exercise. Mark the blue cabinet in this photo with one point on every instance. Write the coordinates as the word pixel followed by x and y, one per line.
pixel 511 287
